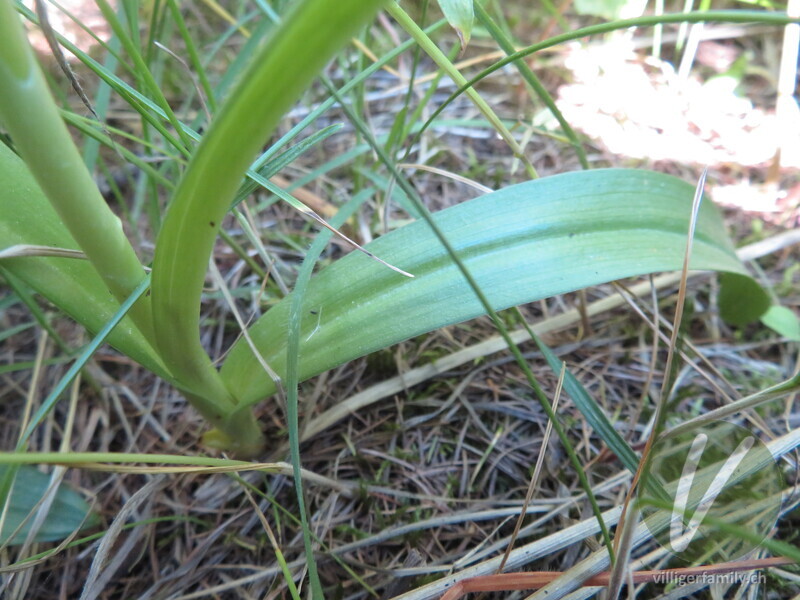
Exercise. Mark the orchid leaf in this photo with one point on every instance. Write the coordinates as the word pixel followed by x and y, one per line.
pixel 522 243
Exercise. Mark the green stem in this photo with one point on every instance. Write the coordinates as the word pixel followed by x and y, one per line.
pixel 307 39
pixel 82 458
pixel 236 431
pixel 771 393
pixel 29 113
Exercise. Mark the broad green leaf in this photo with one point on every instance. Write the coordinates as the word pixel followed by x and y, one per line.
pixel 460 15
pixel 523 243
pixel 68 512
pixel 741 299
pixel 783 320
pixel 26 217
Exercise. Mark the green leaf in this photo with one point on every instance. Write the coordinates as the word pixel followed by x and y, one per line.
pixel 783 320
pixel 741 299
pixel 523 243
pixel 26 217
pixel 460 15
pixel 30 115
pixel 68 512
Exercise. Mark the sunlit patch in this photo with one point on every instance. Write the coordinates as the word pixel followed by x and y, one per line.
pixel 86 11
pixel 642 108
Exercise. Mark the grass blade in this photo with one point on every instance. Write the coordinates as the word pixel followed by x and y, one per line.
pixel 292 375
pixel 444 63
pixel 594 415
pixel 721 16
pixel 533 81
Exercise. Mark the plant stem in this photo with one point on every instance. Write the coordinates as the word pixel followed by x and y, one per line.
pixel 236 431
pixel 29 113
pixel 307 38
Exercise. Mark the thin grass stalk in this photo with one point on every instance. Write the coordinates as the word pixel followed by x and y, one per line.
pixel 630 511
pixel 194 57
pixel 332 553
pixel 29 113
pixel 416 116
pixel 91 147
pixel 328 103
pixel 442 61
pixel 147 109
pixel 658 30
pixel 556 14
pixel 487 306
pixel 58 55
pixel 532 80
pixel 96 134
pixel 537 470
pixel 774 392
pixel 24 294
pixel 142 70
pixel 293 377
pixel 415 62
pixel 8 477
pixel 288 577
pixel 81 361
pixel 778 547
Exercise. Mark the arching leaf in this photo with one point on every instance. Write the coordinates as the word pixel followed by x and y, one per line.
pixel 522 243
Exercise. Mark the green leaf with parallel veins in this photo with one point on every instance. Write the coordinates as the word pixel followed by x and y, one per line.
pixel 522 243
pixel 26 217
pixel 68 512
